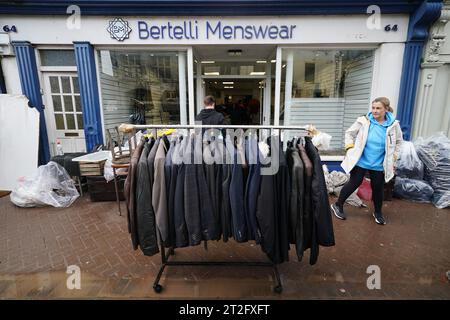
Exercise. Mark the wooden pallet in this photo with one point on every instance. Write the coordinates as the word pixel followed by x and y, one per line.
pixel 92 168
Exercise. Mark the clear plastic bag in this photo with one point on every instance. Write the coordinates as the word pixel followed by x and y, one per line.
pixel 50 185
pixel 411 189
pixel 408 164
pixel 434 152
pixel 322 141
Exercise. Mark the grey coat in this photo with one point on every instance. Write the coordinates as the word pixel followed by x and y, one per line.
pixel 159 194
pixel 144 211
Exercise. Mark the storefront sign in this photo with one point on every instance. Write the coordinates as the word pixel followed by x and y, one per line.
pixel 177 31
pixel 189 30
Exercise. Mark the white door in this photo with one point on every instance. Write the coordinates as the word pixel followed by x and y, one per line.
pixel 63 112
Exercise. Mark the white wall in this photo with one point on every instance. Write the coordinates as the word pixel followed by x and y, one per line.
pixel 387 72
pixel 11 75
pixel 432 106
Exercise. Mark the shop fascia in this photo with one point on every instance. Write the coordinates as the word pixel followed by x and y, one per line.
pixel 191 30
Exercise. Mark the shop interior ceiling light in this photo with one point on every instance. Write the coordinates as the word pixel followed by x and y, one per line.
pixel 208 61
pixel 235 52
pixel 257 73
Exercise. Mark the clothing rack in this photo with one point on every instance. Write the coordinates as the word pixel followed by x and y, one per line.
pixel 157 287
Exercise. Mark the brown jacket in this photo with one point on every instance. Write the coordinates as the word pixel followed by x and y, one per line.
pixel 130 197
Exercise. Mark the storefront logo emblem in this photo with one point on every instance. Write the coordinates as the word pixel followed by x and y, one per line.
pixel 119 29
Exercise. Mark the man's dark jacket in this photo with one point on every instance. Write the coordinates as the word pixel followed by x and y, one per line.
pixel 320 202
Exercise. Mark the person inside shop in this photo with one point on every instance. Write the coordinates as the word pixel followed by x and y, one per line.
pixel 209 115
pixel 372 144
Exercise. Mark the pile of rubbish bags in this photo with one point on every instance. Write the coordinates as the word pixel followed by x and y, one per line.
pixel 409 183
pixel 423 171
pixel 50 185
pixel 434 152
pixel 335 181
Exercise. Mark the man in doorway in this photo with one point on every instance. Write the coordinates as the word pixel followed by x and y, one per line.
pixel 209 115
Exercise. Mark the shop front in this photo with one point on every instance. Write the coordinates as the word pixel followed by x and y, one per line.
pixel 296 67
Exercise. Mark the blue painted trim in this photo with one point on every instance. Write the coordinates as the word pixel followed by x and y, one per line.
pixel 90 102
pixel 208 8
pixel 419 24
pixel 29 81
pixel 333 165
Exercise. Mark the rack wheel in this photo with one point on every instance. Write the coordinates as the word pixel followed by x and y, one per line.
pixel 278 289
pixel 157 288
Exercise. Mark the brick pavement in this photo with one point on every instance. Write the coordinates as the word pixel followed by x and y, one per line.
pixel 37 245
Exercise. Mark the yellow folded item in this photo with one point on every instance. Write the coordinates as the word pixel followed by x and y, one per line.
pixel 159 132
pixel 349 146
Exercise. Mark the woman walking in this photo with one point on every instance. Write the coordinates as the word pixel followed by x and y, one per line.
pixel 372 145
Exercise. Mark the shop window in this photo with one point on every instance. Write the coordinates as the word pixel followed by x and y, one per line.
pixel 57 58
pixel 330 89
pixel 140 87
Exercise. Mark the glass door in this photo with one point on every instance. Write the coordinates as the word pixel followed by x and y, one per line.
pixel 63 111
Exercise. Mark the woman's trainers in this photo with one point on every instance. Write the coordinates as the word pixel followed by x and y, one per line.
pixel 379 218
pixel 338 212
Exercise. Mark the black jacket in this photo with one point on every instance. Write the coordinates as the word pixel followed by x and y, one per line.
pixel 272 211
pixel 252 189
pixel 236 193
pixel 296 200
pixel 320 202
pixel 309 237
pixel 210 116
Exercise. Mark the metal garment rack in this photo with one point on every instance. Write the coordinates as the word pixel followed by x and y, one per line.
pixel 157 287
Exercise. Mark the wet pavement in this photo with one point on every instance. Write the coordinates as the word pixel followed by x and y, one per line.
pixel 36 245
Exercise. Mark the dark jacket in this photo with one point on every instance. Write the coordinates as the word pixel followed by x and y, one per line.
pixel 144 212
pixel 236 193
pixel 225 208
pixel 170 174
pixel 282 191
pixel 191 198
pixel 309 238
pixel 272 210
pixel 320 202
pixel 210 116
pixel 252 189
pixel 130 195
pixel 209 221
pixel 178 169
pixel 296 200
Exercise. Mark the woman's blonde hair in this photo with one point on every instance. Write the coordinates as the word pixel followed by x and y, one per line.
pixel 385 102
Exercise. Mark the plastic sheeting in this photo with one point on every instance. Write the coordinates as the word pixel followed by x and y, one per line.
pixel 408 164
pixel 19 142
pixel 50 185
pixel 412 189
pixel 434 152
